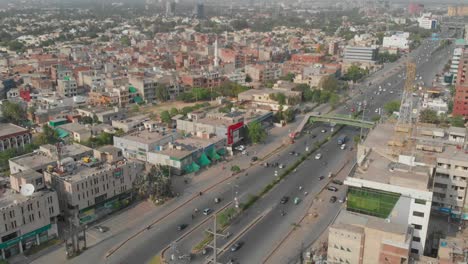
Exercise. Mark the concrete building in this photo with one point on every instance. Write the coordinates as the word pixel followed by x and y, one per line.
pixel 136 145
pixel 426 21
pixel 91 188
pixel 170 8
pixel 13 136
pixel 237 76
pixel 360 239
pixel 461 10
pixel 188 154
pixel 263 72
pixel 67 87
pixel 27 220
pixel 360 54
pixel 131 123
pixel 45 156
pixel 104 115
pixel 460 99
pixel 457 53
pixel 78 132
pixel 400 182
pixel 398 41
pixel 262 98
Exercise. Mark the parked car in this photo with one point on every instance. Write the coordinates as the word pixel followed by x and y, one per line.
pixel 284 199
pixel 236 246
pixel 323 130
pixel 343 146
pixel 297 200
pixel 217 200
pixel 321 177
pixel 318 156
pixel 332 188
pixel 254 158
pixel 207 211
pixel 333 199
pixel 101 229
pixel 338 182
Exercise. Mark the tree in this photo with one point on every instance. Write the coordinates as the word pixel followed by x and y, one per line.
pixel 334 100
pixel 125 41
pixel 248 79
pixel 235 169
pixel 86 120
pixel 428 116
pixel 95 119
pixel 155 185
pixel 329 83
pixel 355 73
pixel 393 106
pixel 48 136
pixel 279 97
pixel 289 115
pixel 161 92
pixel 13 112
pixel 256 132
pixel 174 111
pixel 166 117
pixel 289 77
pixel 457 121
pixel 15 45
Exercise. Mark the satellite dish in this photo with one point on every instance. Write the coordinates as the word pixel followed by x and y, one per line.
pixel 27 189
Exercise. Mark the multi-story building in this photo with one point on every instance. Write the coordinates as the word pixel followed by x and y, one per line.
pixel 263 72
pixel 398 41
pixel 237 77
pixel 95 186
pixel 426 21
pixel 209 79
pixel 399 183
pixel 29 219
pixel 67 87
pixel 360 54
pixel 189 154
pixel 104 115
pixel 170 8
pixel 362 239
pixel 460 106
pixel 13 136
pixel 47 155
pixel 457 53
pixel 136 145
pixel 130 124
pixel 333 48
pixel 461 10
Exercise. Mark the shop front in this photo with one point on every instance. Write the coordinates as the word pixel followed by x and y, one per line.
pixel 15 244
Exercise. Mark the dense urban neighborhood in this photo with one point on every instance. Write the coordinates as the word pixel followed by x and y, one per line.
pixel 177 131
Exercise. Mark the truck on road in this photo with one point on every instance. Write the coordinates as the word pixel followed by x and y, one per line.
pixel 341 139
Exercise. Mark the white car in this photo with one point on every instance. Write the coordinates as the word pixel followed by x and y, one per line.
pixel 318 156
pixel 343 146
pixel 377 110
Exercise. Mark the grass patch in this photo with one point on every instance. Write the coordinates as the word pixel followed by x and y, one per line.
pixel 42 246
pixel 224 218
pixel 2 261
pixel 371 202
pixel 156 260
pixel 202 244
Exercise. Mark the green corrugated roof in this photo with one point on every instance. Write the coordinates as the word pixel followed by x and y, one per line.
pixel 222 151
pixel 62 133
pixel 204 161
pixel 132 89
pixel 138 99
pixel 213 155
pixel 66 78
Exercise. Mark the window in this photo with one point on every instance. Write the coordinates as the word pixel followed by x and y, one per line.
pixel 417 227
pixel 39 214
pixel 420 201
pixel 414 251
pixel 416 239
pixel 418 214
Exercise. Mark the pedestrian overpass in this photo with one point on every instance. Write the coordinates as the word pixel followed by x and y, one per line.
pixel 332 119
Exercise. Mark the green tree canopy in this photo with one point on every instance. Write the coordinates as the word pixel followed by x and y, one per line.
pixel 256 132
pixel 355 73
pixel 392 106
pixel 161 92
pixel 174 111
pixel 166 117
pixel 329 83
pixel 428 116
pixel 457 121
pixel 13 112
pixel 47 136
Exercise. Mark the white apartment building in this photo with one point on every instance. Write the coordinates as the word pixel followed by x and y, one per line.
pixel 27 220
pixel 457 53
pixel 398 41
pixel 95 186
pixel 237 77
pixel 427 22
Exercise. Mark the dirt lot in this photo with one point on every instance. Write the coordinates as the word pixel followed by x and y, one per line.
pixel 157 109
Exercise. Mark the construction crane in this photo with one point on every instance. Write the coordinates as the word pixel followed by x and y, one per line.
pixel 406 121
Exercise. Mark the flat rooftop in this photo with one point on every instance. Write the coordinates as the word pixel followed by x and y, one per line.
pixel 9 197
pixel 188 145
pixel 377 168
pixel 147 137
pixel 8 129
pixel 454 153
pixel 350 218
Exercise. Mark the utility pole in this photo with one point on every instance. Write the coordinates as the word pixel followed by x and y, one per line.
pixel 215 234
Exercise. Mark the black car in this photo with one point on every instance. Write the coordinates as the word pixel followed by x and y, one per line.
pixel 337 182
pixel 313 136
pixel 254 158
pixel 321 178
pixel 236 246
pixel 291 153
pixel 333 199
pixel 284 200
pixel 332 188
pixel 181 227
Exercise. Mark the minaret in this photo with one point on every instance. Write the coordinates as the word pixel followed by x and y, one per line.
pixel 216 59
